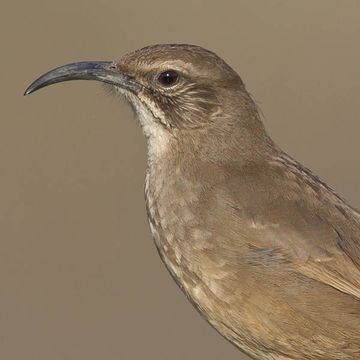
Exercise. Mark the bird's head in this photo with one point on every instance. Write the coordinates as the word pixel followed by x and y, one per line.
pixel 173 88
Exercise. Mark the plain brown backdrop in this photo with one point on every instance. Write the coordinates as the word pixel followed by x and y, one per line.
pixel 79 275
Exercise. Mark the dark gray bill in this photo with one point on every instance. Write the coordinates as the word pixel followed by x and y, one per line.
pixel 84 70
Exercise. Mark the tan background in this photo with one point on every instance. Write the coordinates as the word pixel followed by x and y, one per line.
pixel 79 275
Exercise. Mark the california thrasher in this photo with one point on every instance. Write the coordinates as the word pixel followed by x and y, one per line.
pixel 267 252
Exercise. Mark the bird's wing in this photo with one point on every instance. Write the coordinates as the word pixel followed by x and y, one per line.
pixel 332 266
pixel 317 250
pixel 284 209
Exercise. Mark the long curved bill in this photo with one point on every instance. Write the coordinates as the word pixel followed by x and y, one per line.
pixel 84 70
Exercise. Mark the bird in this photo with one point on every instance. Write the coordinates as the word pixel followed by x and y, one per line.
pixel 267 252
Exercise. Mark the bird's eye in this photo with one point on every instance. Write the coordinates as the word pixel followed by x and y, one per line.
pixel 168 78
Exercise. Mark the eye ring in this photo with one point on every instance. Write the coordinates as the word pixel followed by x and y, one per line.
pixel 168 78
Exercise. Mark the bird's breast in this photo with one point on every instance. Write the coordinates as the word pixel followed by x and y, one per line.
pixel 185 243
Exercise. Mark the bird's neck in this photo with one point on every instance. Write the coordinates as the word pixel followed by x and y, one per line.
pixel 184 164
pixel 182 167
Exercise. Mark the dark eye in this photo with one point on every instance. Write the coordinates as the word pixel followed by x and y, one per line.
pixel 168 78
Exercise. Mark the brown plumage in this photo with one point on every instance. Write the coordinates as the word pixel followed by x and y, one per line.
pixel 267 252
